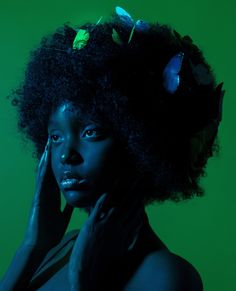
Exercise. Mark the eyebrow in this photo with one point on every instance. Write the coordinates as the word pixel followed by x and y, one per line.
pixel 52 123
pixel 82 122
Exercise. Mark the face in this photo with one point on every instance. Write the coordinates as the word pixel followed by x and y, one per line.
pixel 86 160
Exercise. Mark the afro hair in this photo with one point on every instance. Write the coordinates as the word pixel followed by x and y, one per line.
pixel 168 136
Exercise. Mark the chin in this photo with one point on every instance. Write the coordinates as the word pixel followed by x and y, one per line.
pixel 79 198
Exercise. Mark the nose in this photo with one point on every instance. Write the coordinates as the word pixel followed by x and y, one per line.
pixel 70 156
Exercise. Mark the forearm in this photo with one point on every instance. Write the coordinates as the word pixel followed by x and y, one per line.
pixel 22 268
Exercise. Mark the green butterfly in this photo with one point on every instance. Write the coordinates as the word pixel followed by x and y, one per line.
pixel 116 38
pixel 82 38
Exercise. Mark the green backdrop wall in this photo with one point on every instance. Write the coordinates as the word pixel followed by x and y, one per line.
pixel 202 230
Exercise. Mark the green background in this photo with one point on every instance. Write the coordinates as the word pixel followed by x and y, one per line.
pixel 202 230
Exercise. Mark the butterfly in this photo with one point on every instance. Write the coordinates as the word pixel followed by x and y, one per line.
pixel 171 77
pixel 127 20
pixel 202 74
pixel 201 140
pixel 82 37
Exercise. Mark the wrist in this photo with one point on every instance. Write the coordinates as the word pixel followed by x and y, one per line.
pixel 33 251
pixel 25 262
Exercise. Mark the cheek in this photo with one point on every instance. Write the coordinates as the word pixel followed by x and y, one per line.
pixel 104 163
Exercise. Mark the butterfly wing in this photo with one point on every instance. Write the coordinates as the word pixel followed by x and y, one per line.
pixel 171 71
pixel 202 74
pixel 124 16
pixel 116 38
pixel 141 25
pixel 81 39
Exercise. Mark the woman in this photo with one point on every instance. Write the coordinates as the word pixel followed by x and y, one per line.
pixel 129 112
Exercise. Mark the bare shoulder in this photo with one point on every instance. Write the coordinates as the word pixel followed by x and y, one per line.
pixel 164 271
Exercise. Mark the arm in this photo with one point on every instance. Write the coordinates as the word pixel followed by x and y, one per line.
pixel 46 227
pixel 102 242
pixel 22 268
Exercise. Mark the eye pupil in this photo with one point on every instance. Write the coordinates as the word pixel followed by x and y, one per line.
pixel 53 137
pixel 89 131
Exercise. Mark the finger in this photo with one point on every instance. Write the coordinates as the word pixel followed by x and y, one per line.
pixel 135 219
pixel 126 221
pixel 128 203
pixel 128 209
pixel 95 214
pixel 41 165
pixel 50 188
pixel 40 175
pixel 132 240
pixel 43 155
pixel 131 229
pixel 136 208
pixel 41 161
pixel 45 163
pixel 104 215
pixel 133 196
pixel 113 198
pixel 67 212
pixel 131 221
pixel 134 228
pixel 120 195
pixel 47 188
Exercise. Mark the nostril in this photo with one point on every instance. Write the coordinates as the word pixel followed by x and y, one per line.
pixel 71 158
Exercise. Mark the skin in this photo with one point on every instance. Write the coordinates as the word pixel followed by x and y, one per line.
pixel 94 154
pixel 118 250
pixel 89 151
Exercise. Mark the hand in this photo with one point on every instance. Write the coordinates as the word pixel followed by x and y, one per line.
pixel 47 223
pixel 102 241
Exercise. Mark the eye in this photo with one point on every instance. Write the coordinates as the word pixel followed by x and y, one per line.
pixel 91 133
pixel 55 138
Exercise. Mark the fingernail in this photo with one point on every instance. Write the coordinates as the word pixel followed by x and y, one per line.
pixel 102 215
pixel 104 195
pixel 102 198
pixel 106 200
pixel 47 145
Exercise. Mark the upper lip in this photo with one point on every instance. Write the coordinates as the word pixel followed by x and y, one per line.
pixel 71 175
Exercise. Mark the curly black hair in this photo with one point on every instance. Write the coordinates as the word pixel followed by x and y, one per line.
pixel 168 136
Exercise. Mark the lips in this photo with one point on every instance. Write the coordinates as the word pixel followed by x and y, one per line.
pixel 70 180
pixel 70 175
pixel 73 184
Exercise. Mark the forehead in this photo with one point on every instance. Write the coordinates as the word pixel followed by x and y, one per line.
pixel 68 110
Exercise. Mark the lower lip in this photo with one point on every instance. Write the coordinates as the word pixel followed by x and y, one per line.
pixel 73 184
